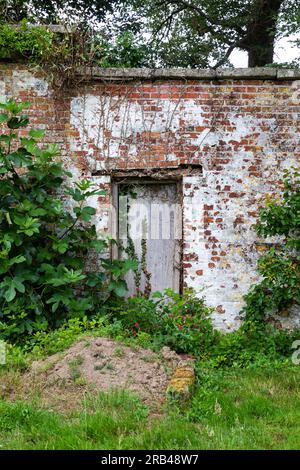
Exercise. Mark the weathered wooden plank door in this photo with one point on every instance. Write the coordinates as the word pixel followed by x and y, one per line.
pixel 149 228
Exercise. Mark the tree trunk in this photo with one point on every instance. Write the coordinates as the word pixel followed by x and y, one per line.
pixel 261 31
pixel 261 53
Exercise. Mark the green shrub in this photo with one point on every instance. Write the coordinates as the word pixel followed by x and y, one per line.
pixel 253 346
pixel 279 289
pixel 125 52
pixel 59 55
pixel 181 322
pixel 44 279
pixel 137 314
pixel 187 324
pixel 24 42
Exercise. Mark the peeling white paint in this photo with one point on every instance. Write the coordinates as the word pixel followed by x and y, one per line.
pixel 221 252
pixel 109 121
pixel 24 80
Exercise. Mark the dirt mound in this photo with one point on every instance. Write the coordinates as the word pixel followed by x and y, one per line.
pixel 104 364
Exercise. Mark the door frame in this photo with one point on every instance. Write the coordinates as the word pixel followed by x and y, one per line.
pixel 115 183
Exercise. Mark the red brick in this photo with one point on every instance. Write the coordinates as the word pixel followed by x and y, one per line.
pixel 199 272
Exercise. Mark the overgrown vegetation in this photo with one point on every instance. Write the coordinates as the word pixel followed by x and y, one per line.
pixel 58 54
pixel 61 54
pixel 245 392
pixel 175 33
pixel 182 322
pixel 279 289
pixel 24 42
pixel 43 276
pixel 233 409
pixel 137 323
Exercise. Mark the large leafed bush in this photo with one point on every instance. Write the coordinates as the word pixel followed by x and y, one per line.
pixel 44 247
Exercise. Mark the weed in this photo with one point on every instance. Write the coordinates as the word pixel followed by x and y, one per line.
pixel 119 352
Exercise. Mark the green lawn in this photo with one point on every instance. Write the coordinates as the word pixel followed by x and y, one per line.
pixel 233 409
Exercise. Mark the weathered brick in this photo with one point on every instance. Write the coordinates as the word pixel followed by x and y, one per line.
pixel 241 131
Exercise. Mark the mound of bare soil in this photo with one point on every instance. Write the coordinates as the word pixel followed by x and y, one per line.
pixel 102 364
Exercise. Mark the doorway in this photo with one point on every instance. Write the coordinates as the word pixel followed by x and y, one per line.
pixel 148 227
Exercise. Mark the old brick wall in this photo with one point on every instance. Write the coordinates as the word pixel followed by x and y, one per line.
pixel 242 129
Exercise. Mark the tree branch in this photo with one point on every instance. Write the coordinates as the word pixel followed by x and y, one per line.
pixel 167 20
pixel 191 6
pixel 227 54
pixel 186 5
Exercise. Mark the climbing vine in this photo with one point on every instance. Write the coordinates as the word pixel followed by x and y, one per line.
pixel 62 51
pixel 279 289
pixel 144 268
pixel 130 250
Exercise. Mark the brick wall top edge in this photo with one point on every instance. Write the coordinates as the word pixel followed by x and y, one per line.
pixel 133 74
pixel 263 73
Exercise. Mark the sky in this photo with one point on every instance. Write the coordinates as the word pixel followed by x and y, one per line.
pixel 285 51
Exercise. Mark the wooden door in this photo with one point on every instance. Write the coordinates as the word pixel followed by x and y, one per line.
pixel 149 229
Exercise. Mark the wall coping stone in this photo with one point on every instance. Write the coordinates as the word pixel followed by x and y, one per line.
pixel 133 74
pixel 124 74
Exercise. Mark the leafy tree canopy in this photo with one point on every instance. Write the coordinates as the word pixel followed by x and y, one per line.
pixel 279 289
pixel 175 33
pixel 201 33
pixel 85 10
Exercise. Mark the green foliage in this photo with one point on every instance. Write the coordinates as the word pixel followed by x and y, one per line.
pixel 125 52
pixel 140 322
pixel 137 314
pixel 59 54
pixel 170 33
pixel 187 325
pixel 232 409
pixel 24 42
pixel 279 289
pixel 181 322
pixel 44 343
pixel 281 215
pixel 251 346
pixel 199 33
pixel 44 279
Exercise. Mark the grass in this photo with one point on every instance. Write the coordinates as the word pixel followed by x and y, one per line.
pixel 74 368
pixel 230 408
pixel 255 408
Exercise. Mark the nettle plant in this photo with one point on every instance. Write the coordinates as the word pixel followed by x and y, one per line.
pixel 44 277
pixel 279 289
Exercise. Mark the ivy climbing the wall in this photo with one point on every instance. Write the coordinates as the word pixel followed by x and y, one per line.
pixel 279 289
